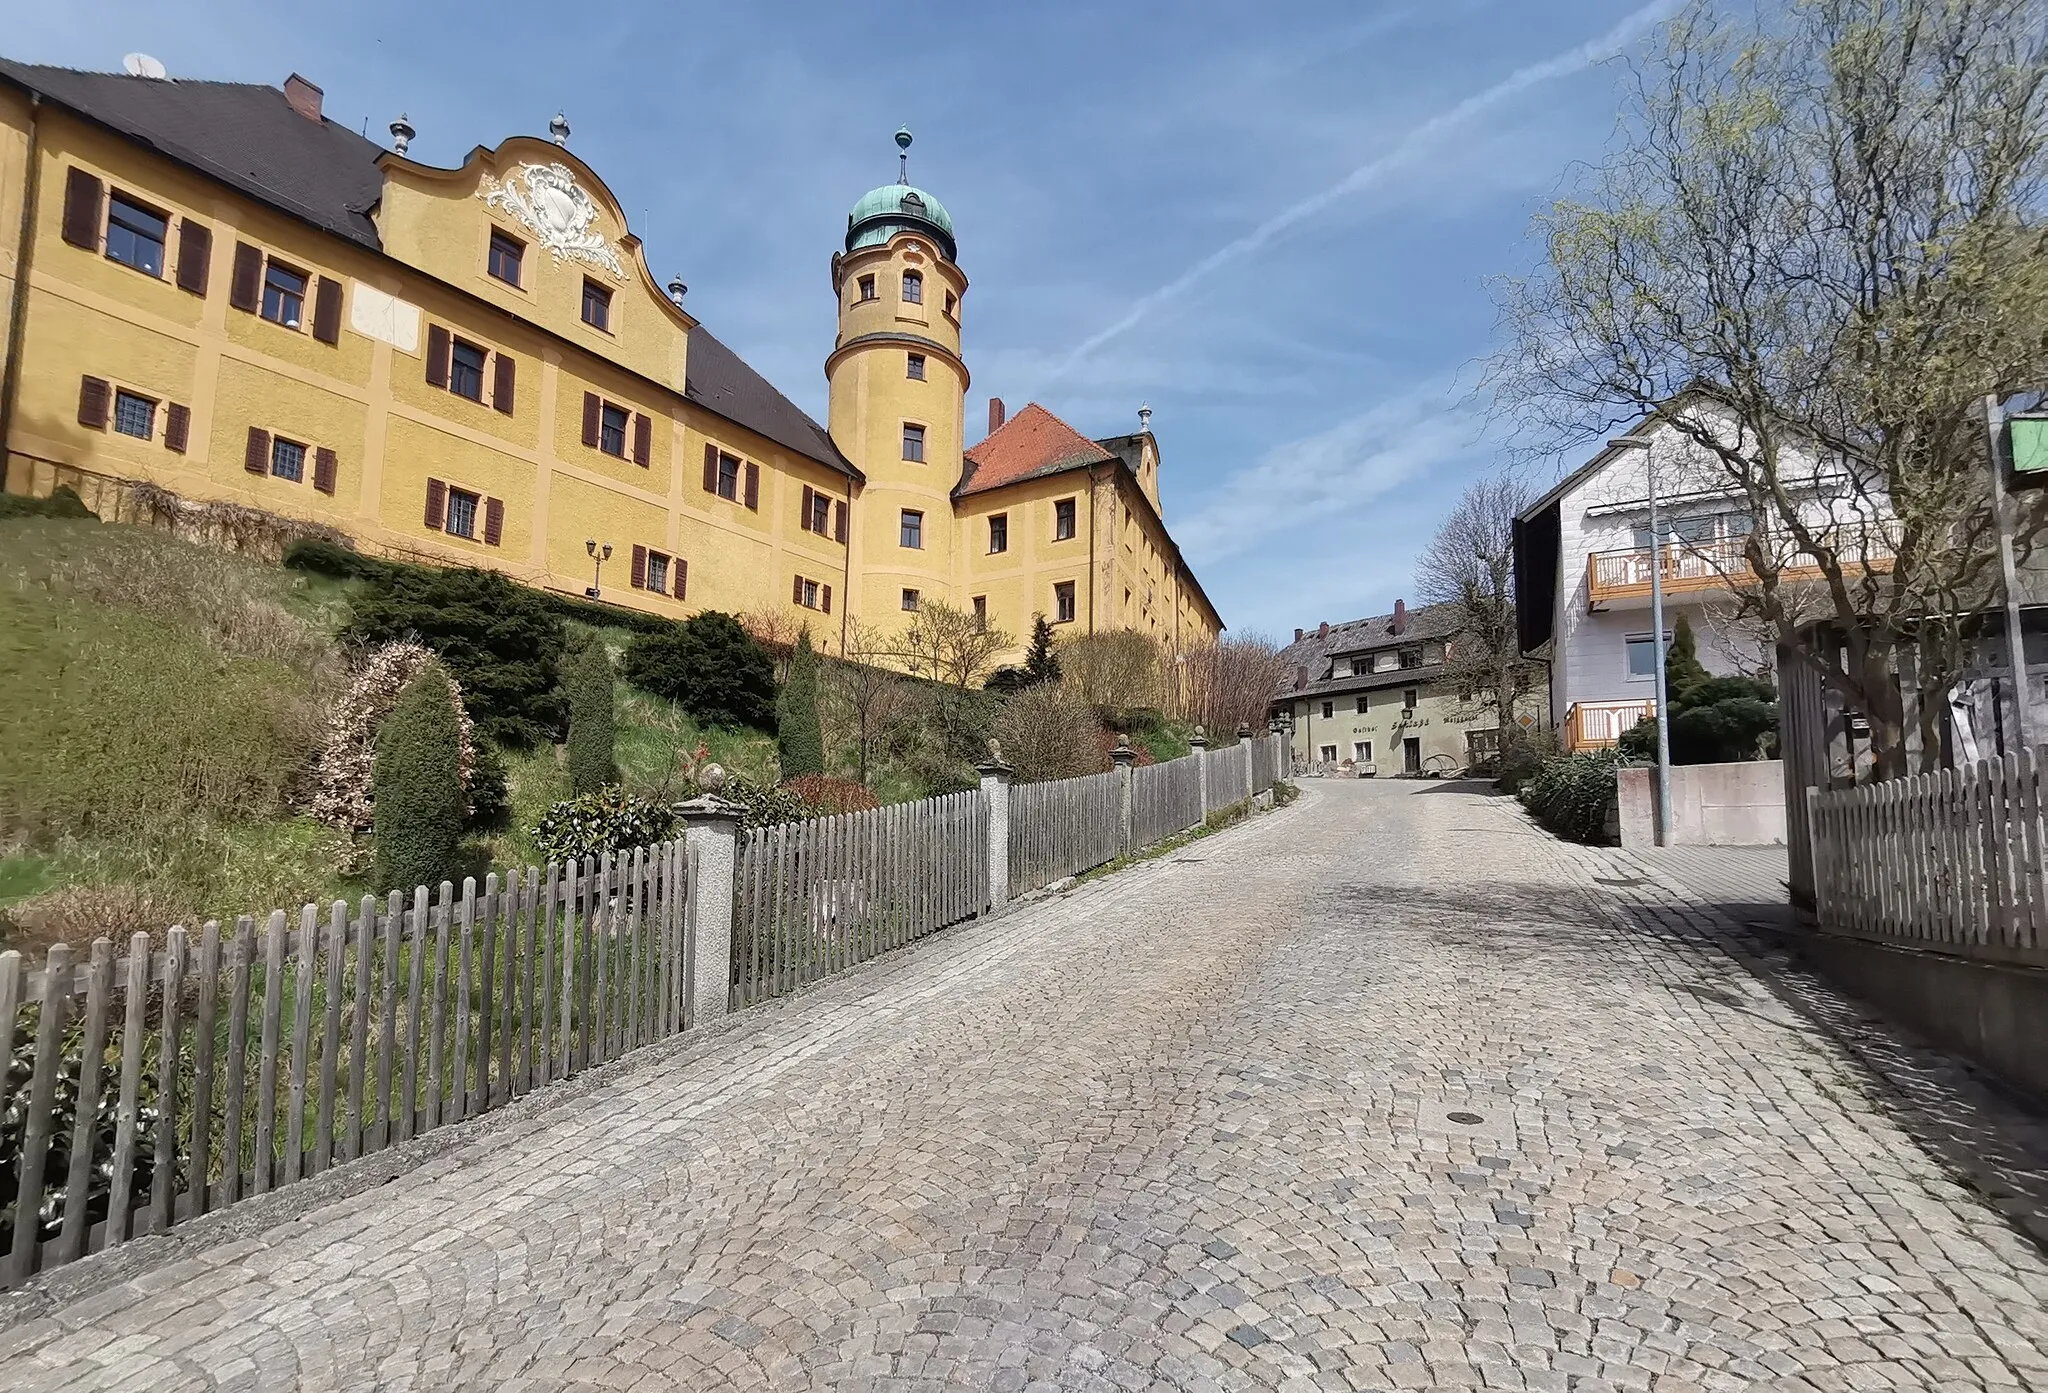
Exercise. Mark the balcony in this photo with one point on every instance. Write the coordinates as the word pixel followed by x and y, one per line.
pixel 1596 725
pixel 1623 577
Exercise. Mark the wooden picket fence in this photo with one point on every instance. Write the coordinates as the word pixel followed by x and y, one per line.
pixel 205 1069
pixel 1062 827
pixel 1951 860
pixel 1266 754
pixel 1228 770
pixel 812 898
pixel 1165 799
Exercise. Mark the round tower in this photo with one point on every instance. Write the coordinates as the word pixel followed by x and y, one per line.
pixel 898 392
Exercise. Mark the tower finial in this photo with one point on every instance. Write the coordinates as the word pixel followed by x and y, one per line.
pixel 903 154
pixel 1144 416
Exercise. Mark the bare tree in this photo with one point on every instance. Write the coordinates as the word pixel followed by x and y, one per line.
pixel 949 645
pixel 1115 670
pixel 1048 732
pixel 1820 245
pixel 863 698
pixel 777 630
pixel 1469 564
pixel 1229 683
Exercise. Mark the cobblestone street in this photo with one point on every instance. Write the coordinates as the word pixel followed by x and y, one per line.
pixel 1381 1091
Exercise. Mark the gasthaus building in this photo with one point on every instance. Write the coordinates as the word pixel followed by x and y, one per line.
pixel 214 289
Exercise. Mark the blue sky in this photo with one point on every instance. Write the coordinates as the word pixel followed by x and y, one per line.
pixel 1275 223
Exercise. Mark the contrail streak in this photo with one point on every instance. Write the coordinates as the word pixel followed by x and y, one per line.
pixel 1369 173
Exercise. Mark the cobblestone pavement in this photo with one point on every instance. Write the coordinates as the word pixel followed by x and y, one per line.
pixel 1377 1092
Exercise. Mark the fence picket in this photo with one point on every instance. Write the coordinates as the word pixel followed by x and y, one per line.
pixel 269 1049
pixel 37 1123
pixel 330 1036
pixel 235 1071
pixel 133 1025
pixel 204 1022
pixel 359 1027
pixel 163 1171
pixel 99 992
pixel 393 929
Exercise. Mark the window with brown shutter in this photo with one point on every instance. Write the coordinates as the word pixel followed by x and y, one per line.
pixel 494 521
pixel 838 520
pixel 825 598
pixel 710 468
pixel 245 287
pixel 437 504
pixel 327 310
pixel 639 568
pixel 803 518
pixel 82 209
pixel 177 427
pixel 195 256
pixel 256 458
pixel 92 402
pixel 682 581
pixel 643 440
pixel 753 486
pixel 504 380
pixel 437 356
pixel 323 469
pixel 593 418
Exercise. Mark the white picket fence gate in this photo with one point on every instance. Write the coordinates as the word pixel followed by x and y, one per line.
pixel 202 1069
pixel 1951 860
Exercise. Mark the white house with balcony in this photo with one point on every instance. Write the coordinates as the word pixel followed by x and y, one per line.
pixel 1583 554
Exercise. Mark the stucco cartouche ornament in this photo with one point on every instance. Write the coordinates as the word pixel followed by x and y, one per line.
pixel 561 216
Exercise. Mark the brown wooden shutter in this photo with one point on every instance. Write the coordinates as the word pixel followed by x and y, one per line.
pixel 92 402
pixel 323 469
pixel 639 568
pixel 195 256
pixel 177 427
pixel 494 521
pixel 593 410
pixel 437 504
pixel 682 581
pixel 256 458
pixel 825 598
pixel 82 209
pixel 327 310
pixel 838 520
pixel 796 592
pixel 643 440
pixel 504 383
pixel 437 356
pixel 710 468
pixel 804 519
pixel 245 288
pixel 753 485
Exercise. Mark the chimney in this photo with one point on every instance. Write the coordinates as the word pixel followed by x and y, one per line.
pixel 996 415
pixel 302 96
pixel 1400 625
pixel 1323 629
pixel 1297 636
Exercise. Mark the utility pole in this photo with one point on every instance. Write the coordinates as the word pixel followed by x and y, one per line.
pixel 2001 513
pixel 1657 638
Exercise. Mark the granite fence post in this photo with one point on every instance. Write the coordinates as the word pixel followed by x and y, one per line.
pixel 711 841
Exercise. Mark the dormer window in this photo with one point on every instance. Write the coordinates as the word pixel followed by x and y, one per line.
pixel 867 288
pixel 913 288
pixel 912 205
pixel 506 255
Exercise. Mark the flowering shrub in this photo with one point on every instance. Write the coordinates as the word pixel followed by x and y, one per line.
pixel 609 820
pixel 342 795
pixel 825 795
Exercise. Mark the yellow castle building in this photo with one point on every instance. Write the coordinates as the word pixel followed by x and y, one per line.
pixel 215 290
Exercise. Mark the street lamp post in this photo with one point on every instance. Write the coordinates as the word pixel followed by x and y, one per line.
pixel 598 556
pixel 1656 638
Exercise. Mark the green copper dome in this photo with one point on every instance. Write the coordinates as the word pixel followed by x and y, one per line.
pixel 893 208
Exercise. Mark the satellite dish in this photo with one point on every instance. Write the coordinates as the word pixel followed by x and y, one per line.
pixel 142 65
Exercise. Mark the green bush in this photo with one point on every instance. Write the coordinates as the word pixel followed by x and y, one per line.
pixel 762 805
pixel 418 783
pixel 610 820
pixel 490 790
pixel 63 502
pixel 1523 754
pixel 799 740
pixel 709 666
pixel 593 723
pixel 325 558
pixel 1571 794
pixel 497 638
pixel 1719 720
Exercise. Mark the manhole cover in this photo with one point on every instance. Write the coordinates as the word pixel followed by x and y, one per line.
pixel 1465 1119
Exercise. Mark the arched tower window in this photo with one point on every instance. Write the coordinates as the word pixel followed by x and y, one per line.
pixel 913 287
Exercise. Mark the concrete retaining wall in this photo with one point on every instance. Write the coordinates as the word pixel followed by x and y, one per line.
pixel 1711 805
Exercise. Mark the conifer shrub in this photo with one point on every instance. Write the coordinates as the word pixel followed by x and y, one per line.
pixel 593 722
pixel 344 791
pixel 418 785
pixel 709 666
pixel 799 740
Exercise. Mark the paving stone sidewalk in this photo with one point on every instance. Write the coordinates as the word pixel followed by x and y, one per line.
pixel 1378 1092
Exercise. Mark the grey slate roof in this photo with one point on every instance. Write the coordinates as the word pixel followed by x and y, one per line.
pixel 322 173
pixel 1319 653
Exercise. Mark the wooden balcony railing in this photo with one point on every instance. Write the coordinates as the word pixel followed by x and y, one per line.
pixel 1596 725
pixel 1690 567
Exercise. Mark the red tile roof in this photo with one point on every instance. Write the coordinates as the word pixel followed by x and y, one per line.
pixel 1030 445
